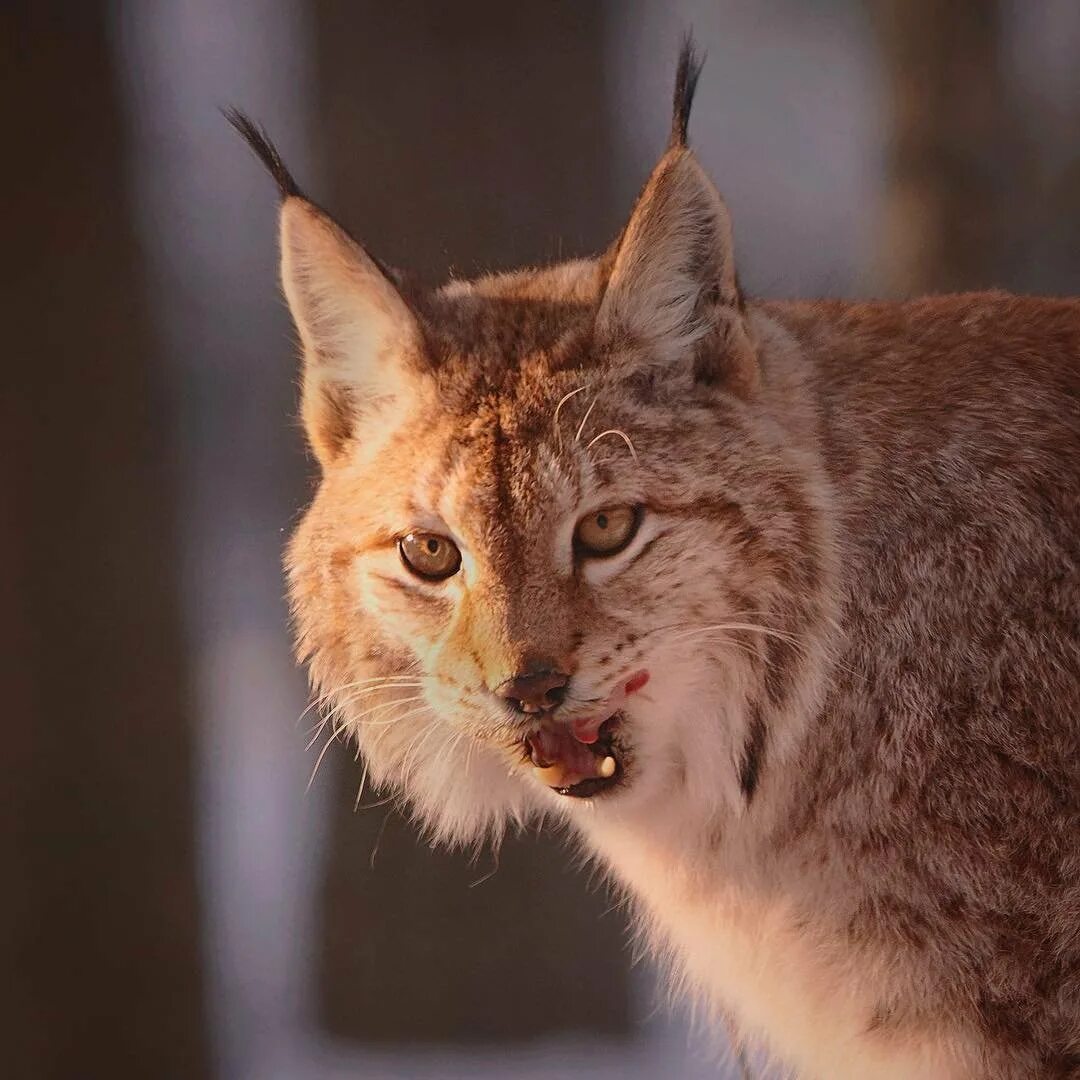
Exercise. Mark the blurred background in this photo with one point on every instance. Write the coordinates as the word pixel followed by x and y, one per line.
pixel 173 902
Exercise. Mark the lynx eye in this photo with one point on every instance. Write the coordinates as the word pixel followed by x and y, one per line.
pixel 429 555
pixel 606 531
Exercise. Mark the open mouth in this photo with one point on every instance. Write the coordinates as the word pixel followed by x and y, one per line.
pixel 580 760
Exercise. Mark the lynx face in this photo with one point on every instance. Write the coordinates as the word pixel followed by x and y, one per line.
pixel 537 573
pixel 558 555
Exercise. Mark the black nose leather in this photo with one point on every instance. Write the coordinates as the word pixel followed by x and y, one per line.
pixel 535 692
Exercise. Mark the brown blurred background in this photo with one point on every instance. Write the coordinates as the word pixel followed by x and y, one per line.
pixel 173 903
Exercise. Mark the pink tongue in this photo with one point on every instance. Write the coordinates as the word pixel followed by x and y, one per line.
pixel 562 747
pixel 587 728
pixel 561 753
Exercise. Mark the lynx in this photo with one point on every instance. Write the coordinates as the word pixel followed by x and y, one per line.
pixel 775 605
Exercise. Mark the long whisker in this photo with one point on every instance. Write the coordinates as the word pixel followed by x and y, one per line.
pixel 733 644
pixel 317 730
pixel 415 749
pixel 396 719
pixel 562 401
pixel 380 679
pixel 379 802
pixel 333 736
pixel 362 718
pixel 363 781
pixel 320 727
pixel 387 680
pixel 585 418
pixel 768 631
pixel 692 626
pixel 350 699
pixel 378 839
pixel 455 743
pixel 422 733
pixel 380 736
pixel 730 643
pixel 622 435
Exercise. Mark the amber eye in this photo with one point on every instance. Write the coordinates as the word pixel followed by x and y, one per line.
pixel 606 531
pixel 430 556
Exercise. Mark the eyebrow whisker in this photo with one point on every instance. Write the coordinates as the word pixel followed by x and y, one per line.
pixel 622 435
pixel 585 418
pixel 562 401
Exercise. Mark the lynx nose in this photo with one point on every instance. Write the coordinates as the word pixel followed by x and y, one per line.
pixel 537 691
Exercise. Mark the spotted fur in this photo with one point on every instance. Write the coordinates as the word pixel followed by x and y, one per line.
pixel 851 815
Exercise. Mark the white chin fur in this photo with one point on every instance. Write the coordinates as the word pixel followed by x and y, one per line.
pixel 460 794
pixel 682 734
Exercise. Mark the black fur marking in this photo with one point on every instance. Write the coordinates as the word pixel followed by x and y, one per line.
pixel 753 755
pixel 256 137
pixel 686 78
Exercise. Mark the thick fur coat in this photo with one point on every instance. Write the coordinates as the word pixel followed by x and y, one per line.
pixel 847 806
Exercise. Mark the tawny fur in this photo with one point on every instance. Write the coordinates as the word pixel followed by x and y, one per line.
pixel 852 814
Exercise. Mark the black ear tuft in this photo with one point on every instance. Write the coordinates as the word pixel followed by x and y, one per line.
pixel 686 77
pixel 256 137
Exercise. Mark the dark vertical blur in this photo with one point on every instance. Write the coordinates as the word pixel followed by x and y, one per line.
pixel 954 148
pixel 982 163
pixel 480 130
pixel 100 925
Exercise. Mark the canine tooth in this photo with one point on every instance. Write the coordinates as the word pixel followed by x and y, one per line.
pixel 607 768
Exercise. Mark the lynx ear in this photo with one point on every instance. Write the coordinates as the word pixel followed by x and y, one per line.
pixel 360 338
pixel 359 335
pixel 672 283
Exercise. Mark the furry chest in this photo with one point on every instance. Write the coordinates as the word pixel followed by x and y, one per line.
pixel 810 1001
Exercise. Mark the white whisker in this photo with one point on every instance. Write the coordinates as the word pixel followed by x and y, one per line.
pixel 746 627
pixel 363 781
pixel 585 418
pixel 388 680
pixel 562 401
pixel 421 736
pixel 622 435
pixel 333 735
pixel 318 730
pixel 378 839
pixel 361 719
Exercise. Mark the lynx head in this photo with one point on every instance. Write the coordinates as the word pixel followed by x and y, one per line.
pixel 553 517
